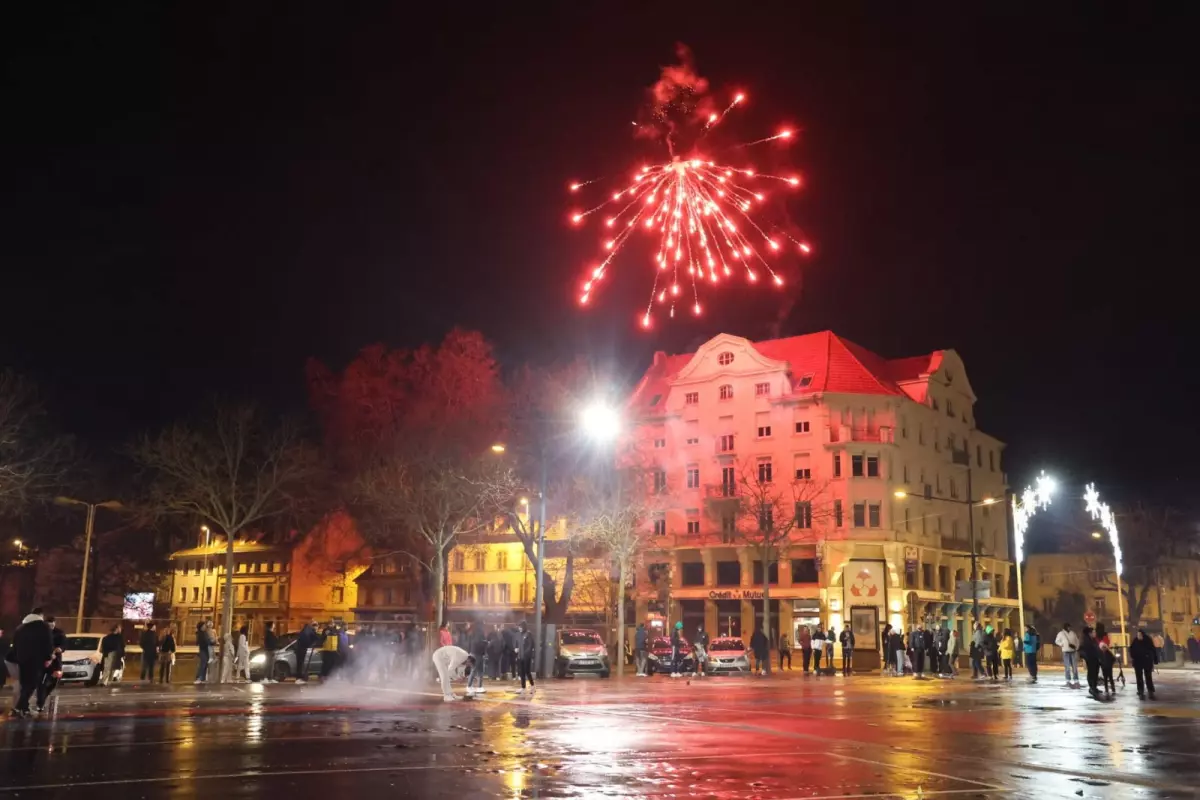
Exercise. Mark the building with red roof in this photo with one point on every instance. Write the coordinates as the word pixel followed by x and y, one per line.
pixel 880 458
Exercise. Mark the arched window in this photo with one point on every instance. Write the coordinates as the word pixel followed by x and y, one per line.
pixel 725 359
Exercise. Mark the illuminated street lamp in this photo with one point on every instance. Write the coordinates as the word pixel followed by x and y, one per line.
pixel 1097 535
pixel 498 447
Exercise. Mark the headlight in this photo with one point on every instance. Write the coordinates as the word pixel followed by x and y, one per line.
pixel 94 658
pixel 260 658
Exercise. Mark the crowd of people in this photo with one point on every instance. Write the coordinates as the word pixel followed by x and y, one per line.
pixel 476 653
pixel 33 662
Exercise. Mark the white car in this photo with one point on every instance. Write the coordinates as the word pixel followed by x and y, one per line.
pixel 727 654
pixel 81 659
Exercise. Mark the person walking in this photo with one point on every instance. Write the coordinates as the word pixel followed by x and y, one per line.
pixel 639 650
pixel 241 663
pixel 203 651
pixel 916 643
pixel 759 646
pixel 785 651
pixel 1144 656
pixel 451 663
pixel 149 644
pixel 112 651
pixel 1031 645
pixel 32 651
pixel 896 651
pixel 1068 642
pixel 166 655
pixel 952 650
pixel 941 639
pixel 1107 659
pixel 885 645
pixel 1007 647
pixel 54 669
pixel 847 640
pixel 270 647
pixel 677 650
pixel 525 657
pixel 1089 651
pixel 818 646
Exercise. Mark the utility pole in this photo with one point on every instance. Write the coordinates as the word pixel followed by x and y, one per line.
pixel 87 545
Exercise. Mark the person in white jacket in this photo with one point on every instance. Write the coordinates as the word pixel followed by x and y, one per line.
pixel 241 662
pixel 1068 642
pixel 452 664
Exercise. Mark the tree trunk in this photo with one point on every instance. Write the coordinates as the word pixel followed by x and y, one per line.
pixel 227 609
pixel 767 613
pixel 439 579
pixel 620 655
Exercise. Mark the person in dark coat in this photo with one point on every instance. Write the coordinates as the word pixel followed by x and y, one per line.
pixel 818 649
pixel 305 641
pixel 640 639
pixel 166 655
pixel 112 651
pixel 847 640
pixel 149 645
pixel 33 652
pixel 477 643
pixel 524 652
pixel 1144 656
pixel 494 645
pixel 508 652
pixel 204 645
pixel 270 645
pixel 1089 650
pixel 53 672
pixel 759 646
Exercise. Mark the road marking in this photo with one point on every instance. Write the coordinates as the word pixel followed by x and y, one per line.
pixel 284 773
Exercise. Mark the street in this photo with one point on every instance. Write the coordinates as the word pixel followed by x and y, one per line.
pixel 741 737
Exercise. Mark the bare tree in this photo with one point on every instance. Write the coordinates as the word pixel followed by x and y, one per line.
pixel 423 504
pixel 769 517
pixel 32 459
pixel 234 472
pixel 614 518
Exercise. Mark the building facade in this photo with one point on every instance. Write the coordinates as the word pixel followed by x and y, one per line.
pixel 895 473
pixel 1171 605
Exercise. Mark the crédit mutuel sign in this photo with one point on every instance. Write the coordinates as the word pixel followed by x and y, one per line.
pixel 744 594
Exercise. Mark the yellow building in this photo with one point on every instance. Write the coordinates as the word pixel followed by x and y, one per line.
pixel 1171 605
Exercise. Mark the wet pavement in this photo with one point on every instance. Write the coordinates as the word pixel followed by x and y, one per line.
pixel 745 737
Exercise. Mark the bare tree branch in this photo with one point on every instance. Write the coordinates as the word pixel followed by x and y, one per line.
pixel 33 461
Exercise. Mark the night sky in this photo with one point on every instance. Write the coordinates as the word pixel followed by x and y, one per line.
pixel 195 204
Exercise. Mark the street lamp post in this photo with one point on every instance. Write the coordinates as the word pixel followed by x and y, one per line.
pixel 87 545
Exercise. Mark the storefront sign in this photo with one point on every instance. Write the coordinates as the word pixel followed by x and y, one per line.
pixel 911 557
pixel 741 594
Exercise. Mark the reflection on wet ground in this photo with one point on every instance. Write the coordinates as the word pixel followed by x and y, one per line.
pixel 788 737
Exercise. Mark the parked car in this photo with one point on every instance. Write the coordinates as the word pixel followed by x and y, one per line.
pixel 581 652
pixel 81 659
pixel 284 666
pixel 728 654
pixel 659 657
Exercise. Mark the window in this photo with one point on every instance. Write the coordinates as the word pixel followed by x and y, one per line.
pixel 860 515
pixel 927 576
pixel 691 574
pixel 856 466
pixel 804 570
pixel 804 515
pixel 728 528
pixel 907 522
pixel 953 529
pixel 245 594
pixel 277 567
pixel 726 392
pixel 660 481
pixel 480 561
pixel 725 359
pixel 183 595
pixel 660 443
pixel 762 390
pixel 728 482
pixel 766 519
pixel 764 470
pixel 693 440
pixel 1098 603
pixel 762 423
pixel 693 432
pixel 269 593
pixel 978 455
pixel 837 513
pixel 729 573
pixel 502 560
pixel 208 593
pixel 693 526
pixel 458 561
pixel 872 466
pixel 691 398
pixel 726 443
pixel 693 477
pixel 654 400
pixel 949 407
pixel 953 488
pixel 992 460
pixel 837 465
pixel 905 472
pixel 873 515
pixel 502 593
pixel 1047 605
pixel 903 427
pixel 195 594
pixel 803 473
pixel 920 434
pixel 802 426
pixel 660 525
pixel 934 402
pixel 772 573
pixel 805 381
pixel 944 578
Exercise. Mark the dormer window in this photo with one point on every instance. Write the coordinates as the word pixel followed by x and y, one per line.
pixel 725 359
pixel 805 381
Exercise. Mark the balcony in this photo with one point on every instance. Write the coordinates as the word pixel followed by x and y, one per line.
pixel 841 434
pixel 960 545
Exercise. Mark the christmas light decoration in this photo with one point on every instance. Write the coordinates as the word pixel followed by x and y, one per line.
pixel 1100 512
